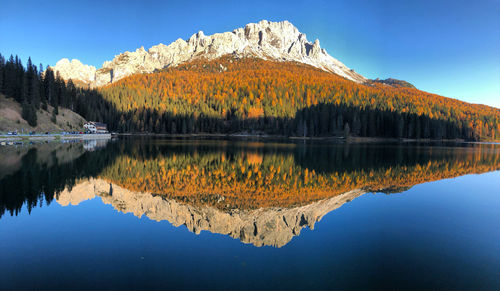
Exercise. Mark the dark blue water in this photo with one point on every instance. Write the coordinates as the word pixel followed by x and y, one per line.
pixel 443 234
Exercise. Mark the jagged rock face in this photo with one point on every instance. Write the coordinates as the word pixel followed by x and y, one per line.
pixel 268 40
pixel 262 227
pixel 75 70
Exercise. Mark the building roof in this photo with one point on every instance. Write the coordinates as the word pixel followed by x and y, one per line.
pixel 97 124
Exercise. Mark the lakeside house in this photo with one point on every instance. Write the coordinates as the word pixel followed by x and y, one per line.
pixel 96 127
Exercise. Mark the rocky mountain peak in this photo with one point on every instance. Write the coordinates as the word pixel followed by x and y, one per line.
pixel 74 69
pixel 280 41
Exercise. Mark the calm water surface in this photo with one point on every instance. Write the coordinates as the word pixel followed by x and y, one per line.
pixel 144 213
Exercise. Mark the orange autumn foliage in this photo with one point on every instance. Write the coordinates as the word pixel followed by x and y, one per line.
pixel 252 88
pixel 249 181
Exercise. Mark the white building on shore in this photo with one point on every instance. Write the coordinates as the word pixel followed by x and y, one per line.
pixel 96 127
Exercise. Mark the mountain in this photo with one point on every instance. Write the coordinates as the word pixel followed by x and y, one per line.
pixel 75 70
pixel 265 78
pixel 280 41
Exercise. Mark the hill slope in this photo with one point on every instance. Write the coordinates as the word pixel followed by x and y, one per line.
pixel 238 94
pixel 11 120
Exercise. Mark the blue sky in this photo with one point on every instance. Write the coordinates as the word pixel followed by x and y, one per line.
pixel 450 48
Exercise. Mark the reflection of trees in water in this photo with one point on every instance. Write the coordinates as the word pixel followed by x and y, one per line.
pixel 37 182
pixel 241 174
pixel 257 177
pixel 338 157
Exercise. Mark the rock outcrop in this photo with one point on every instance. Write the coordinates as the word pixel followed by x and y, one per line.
pixel 75 70
pixel 393 82
pixel 261 227
pixel 268 40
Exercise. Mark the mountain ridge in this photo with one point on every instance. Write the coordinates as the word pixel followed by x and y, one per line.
pixel 267 40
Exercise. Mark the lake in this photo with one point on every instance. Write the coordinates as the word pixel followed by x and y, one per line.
pixel 158 213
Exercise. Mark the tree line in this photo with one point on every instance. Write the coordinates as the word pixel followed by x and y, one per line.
pixel 37 89
pixel 252 177
pixel 230 95
pixel 250 94
pixel 320 120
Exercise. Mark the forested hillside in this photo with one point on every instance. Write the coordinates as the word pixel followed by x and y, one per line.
pixel 250 94
pixel 231 95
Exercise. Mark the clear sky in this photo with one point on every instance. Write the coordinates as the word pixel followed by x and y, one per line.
pixel 450 48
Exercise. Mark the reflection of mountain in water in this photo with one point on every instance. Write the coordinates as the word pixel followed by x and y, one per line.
pixel 259 193
pixel 261 227
pixel 265 195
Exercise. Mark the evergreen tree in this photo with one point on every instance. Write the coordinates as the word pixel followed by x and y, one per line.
pixel 70 95
pixel 340 122
pixel 356 125
pixel 9 88
pixel 29 113
pixel 48 85
pixel 53 118
pixel 347 130
pixel 31 85
pixel 400 126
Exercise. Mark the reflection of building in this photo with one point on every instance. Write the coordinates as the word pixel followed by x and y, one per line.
pixel 93 144
pixel 95 127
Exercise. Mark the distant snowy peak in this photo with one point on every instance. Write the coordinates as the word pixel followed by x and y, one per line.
pixel 280 41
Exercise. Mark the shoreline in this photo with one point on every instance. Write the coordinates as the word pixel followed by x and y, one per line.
pixel 242 136
pixel 51 137
pixel 351 139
